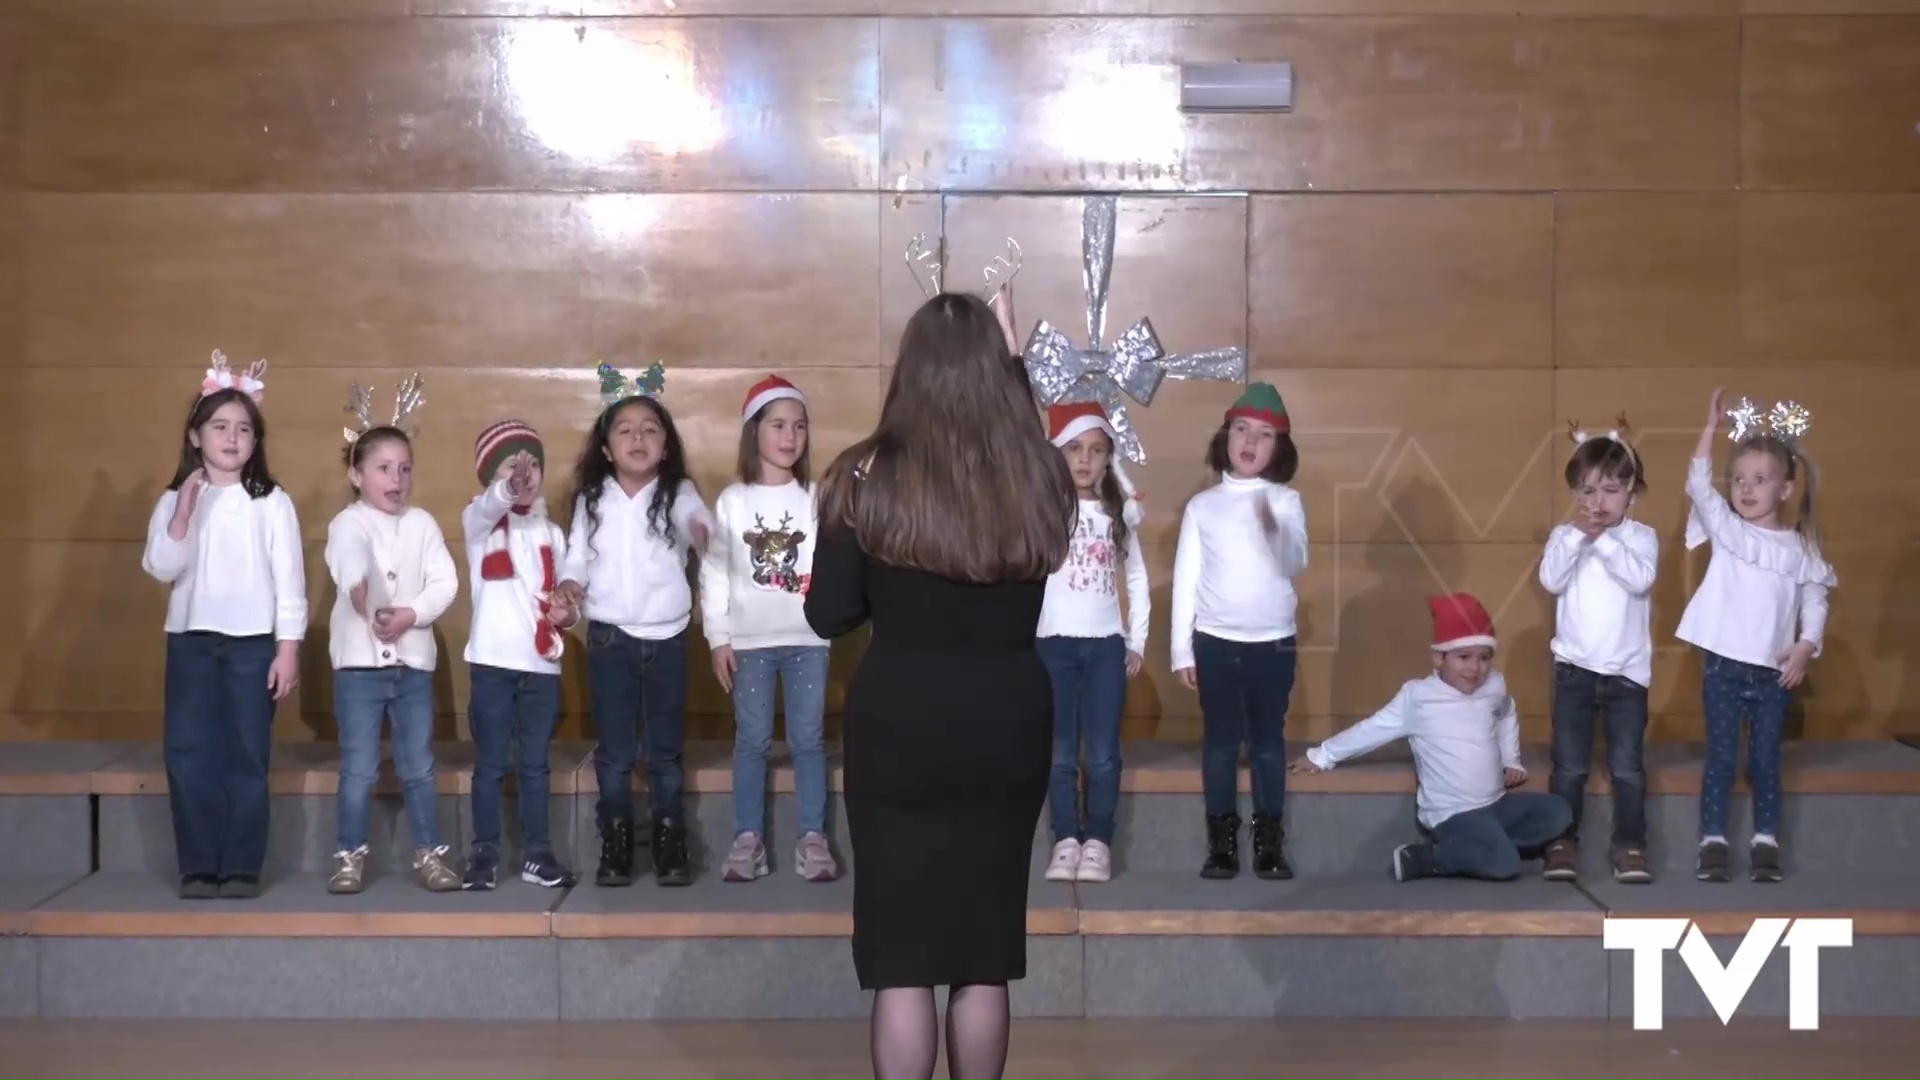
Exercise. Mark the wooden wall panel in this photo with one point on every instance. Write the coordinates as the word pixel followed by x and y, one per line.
pixel 1437 104
pixel 1714 280
pixel 1831 104
pixel 510 281
pixel 1402 280
pixel 452 105
pixel 284 10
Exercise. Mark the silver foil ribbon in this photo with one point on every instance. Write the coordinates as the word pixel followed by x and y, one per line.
pixel 1133 366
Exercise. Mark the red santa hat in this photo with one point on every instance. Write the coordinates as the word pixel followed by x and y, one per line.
pixel 1460 622
pixel 767 391
pixel 1066 423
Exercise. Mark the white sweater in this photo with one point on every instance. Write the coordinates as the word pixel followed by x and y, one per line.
pixel 404 561
pixel 240 570
pixel 1230 579
pixel 505 612
pixel 635 579
pixel 1758 584
pixel 1462 743
pixel 754 576
pixel 1083 600
pixel 1604 620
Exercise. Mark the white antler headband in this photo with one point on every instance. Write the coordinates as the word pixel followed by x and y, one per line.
pixel 407 400
pixel 220 377
pixel 1618 433
pixel 1786 421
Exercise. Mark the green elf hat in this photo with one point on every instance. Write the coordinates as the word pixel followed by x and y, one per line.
pixel 1261 402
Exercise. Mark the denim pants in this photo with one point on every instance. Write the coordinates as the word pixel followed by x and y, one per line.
pixel 1490 842
pixel 1578 694
pixel 801 673
pixel 362 698
pixel 1089 691
pixel 512 714
pixel 1244 687
pixel 1730 692
pixel 639 688
pixel 218 734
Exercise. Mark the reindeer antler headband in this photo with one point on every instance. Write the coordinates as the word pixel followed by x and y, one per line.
pixel 1618 433
pixel 222 377
pixel 928 266
pixel 1786 421
pixel 406 401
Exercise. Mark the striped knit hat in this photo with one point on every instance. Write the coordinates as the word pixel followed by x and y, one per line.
pixel 500 441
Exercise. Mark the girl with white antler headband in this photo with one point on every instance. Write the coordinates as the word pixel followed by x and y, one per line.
pixel 225 537
pixel 1765 577
pixel 1600 566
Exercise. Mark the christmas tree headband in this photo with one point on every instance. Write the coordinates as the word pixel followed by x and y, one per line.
pixel 406 401
pixel 1786 421
pixel 221 377
pixel 616 387
pixel 1618 433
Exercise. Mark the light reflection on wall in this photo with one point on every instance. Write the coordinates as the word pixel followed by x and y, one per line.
pixel 1115 112
pixel 597 96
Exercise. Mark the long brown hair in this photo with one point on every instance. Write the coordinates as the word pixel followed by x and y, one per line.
pixel 958 479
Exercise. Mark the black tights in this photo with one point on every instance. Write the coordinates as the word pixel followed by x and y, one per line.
pixel 906 1032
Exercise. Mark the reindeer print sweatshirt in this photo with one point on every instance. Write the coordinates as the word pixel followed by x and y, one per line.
pixel 753 580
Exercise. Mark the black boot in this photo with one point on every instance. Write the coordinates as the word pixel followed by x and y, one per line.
pixel 616 854
pixel 671 866
pixel 1269 861
pixel 1223 847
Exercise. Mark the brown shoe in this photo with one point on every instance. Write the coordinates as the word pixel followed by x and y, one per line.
pixel 1562 861
pixel 1630 867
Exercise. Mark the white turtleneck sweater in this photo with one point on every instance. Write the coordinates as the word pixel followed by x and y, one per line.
pixel 1604 619
pixel 1230 577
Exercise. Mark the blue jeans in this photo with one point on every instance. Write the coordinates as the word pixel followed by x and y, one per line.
pixel 1490 842
pixel 1244 687
pixel 512 713
pixel 801 672
pixel 1622 704
pixel 362 698
pixel 639 689
pixel 218 735
pixel 1089 692
pixel 1730 692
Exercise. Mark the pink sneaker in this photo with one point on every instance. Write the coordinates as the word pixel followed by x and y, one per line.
pixel 813 860
pixel 746 859
pixel 1096 862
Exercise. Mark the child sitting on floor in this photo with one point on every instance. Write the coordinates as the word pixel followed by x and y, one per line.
pixel 1465 736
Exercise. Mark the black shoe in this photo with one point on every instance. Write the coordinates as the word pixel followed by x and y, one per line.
pixel 616 855
pixel 1763 863
pixel 1411 862
pixel 671 866
pixel 1269 861
pixel 542 869
pixel 483 869
pixel 240 887
pixel 1713 862
pixel 1223 847
pixel 199 887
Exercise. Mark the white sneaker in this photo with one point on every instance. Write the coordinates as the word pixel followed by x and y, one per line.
pixel 1066 861
pixel 1096 862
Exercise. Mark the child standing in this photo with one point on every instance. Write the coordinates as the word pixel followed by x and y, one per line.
pixel 1601 567
pixel 225 537
pixel 753 585
pixel 1465 734
pixel 635 518
pixel 394 578
pixel 1241 542
pixel 513 652
pixel 1763 579
pixel 1081 642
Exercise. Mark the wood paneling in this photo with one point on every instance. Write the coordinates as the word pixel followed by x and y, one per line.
pixel 479 281
pixel 1435 104
pixel 1402 281
pixel 1831 104
pixel 453 104
pixel 1714 280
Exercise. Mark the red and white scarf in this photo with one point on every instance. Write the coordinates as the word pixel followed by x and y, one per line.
pixel 510 555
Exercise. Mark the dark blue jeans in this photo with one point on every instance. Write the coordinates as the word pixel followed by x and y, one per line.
pixel 1621 703
pixel 1244 687
pixel 513 714
pixel 639 689
pixel 1089 691
pixel 1732 692
pixel 1490 842
pixel 218 735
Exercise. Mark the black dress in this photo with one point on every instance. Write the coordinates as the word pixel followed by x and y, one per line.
pixel 949 739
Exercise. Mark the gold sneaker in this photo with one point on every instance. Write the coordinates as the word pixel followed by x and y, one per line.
pixel 430 865
pixel 349 871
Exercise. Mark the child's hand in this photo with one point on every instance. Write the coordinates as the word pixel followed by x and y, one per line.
pixel 1304 764
pixel 573 594
pixel 1133 663
pixel 1588 526
pixel 390 623
pixel 520 478
pixel 724 665
pixel 358 596
pixel 1793 666
pixel 698 531
pixel 1268 524
pixel 1515 777
pixel 561 613
pixel 1187 678
pixel 284 673
pixel 1714 407
pixel 185 502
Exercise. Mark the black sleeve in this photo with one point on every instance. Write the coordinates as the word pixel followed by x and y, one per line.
pixel 837 593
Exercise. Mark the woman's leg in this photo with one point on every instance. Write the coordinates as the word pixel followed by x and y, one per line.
pixel 905 1033
pixel 979 1022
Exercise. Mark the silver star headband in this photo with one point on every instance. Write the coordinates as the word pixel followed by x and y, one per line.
pixel 406 401
pixel 1787 421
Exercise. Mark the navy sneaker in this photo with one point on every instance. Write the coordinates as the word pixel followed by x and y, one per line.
pixel 483 869
pixel 542 869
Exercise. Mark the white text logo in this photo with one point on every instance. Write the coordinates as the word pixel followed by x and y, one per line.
pixel 1726 986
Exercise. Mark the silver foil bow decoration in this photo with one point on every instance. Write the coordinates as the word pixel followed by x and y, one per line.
pixel 1787 420
pixel 1133 366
